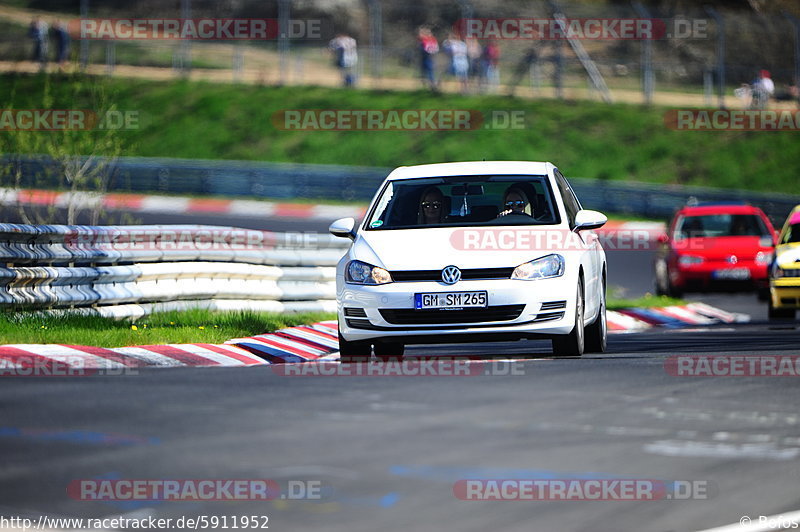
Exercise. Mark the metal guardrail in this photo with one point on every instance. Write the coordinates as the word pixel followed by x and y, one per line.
pixel 145 267
pixel 351 183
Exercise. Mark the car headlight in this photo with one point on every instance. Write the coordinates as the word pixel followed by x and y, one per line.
pixel 690 260
pixel 777 272
pixel 358 272
pixel 543 268
pixel 763 258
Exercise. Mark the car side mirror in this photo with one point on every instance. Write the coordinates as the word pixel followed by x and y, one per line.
pixel 663 238
pixel 343 228
pixel 586 219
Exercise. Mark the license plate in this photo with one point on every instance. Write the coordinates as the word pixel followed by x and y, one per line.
pixel 451 300
pixel 733 274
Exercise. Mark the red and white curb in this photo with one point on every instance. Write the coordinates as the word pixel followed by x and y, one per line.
pixel 673 317
pixel 180 205
pixel 15 358
pixel 305 343
pixel 294 344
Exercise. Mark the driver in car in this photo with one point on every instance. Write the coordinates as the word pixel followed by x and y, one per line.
pixel 515 201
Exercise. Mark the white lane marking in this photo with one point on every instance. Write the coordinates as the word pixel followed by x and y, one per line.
pixel 756 524
pixel 756 451
pixel 164 204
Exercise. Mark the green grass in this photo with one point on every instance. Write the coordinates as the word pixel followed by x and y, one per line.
pixel 586 139
pixel 193 326
pixel 647 301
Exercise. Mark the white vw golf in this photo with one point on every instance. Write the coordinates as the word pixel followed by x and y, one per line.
pixel 470 252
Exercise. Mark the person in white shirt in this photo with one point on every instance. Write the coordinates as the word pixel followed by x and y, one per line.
pixel 345 50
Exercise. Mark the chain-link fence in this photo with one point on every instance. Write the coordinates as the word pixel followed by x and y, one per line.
pixel 698 55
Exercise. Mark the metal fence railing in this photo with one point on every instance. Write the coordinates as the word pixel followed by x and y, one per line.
pixel 359 184
pixel 121 270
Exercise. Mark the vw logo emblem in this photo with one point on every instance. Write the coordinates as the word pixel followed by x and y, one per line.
pixel 732 259
pixel 451 275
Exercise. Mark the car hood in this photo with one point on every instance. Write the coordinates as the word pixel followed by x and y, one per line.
pixel 433 249
pixel 788 255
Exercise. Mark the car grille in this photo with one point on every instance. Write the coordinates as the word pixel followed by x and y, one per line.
pixel 355 312
pixel 791 273
pixel 548 316
pixel 466 275
pixel 470 315
pixel 553 305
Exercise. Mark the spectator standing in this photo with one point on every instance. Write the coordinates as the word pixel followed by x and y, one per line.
pixel 38 32
pixel 763 89
pixel 474 54
pixel 345 52
pixel 428 48
pixel 62 43
pixel 491 62
pixel 459 62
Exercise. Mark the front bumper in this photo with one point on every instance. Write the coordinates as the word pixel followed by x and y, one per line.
pixel 704 277
pixel 785 292
pixel 543 308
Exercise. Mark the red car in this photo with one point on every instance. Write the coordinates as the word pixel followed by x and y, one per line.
pixel 715 247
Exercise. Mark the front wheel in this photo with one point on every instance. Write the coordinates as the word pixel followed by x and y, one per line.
pixel 597 332
pixel 779 313
pixel 353 352
pixel 572 344
pixel 389 350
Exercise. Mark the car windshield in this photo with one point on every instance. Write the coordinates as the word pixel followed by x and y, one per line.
pixel 714 225
pixel 464 201
pixel 792 234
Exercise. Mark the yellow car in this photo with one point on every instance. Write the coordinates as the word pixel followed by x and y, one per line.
pixel 784 275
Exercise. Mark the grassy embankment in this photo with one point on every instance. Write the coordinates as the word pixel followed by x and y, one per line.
pixel 586 139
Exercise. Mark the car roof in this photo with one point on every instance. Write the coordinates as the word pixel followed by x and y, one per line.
pixel 719 209
pixel 471 168
pixel 794 216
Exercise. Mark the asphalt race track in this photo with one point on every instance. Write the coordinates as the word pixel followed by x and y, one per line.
pixel 387 451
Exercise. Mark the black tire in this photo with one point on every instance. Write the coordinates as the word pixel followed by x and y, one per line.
pixel 597 333
pixel 779 313
pixel 389 350
pixel 661 284
pixel 353 352
pixel 664 286
pixel 763 294
pixel 572 344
